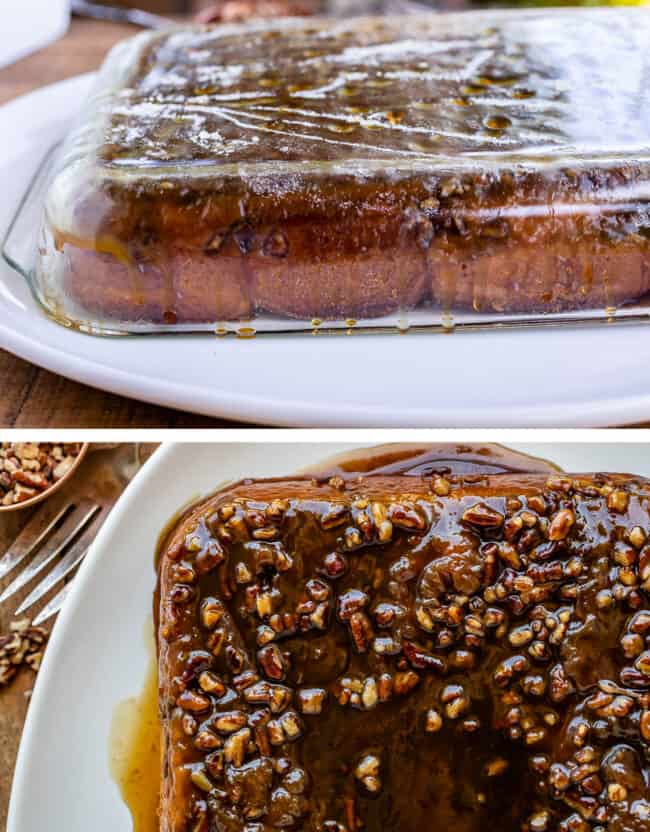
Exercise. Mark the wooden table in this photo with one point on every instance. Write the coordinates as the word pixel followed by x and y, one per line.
pixel 32 397
pixel 97 477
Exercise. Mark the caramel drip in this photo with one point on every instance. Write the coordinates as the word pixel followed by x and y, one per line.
pixel 102 244
pixel 169 295
pixel 134 751
pixel 105 244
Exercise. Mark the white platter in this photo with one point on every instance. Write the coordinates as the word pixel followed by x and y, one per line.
pixel 588 376
pixel 97 655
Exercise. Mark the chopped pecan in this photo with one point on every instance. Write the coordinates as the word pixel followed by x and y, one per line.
pixel 561 524
pixel 406 516
pixel 361 630
pixel 351 602
pixel 272 662
pixel 483 515
pixel 404 682
pixel 336 515
pixel 310 700
pixel 420 659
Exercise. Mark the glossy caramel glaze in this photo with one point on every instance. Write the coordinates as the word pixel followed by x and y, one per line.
pixel 131 747
pixel 501 85
pixel 469 461
pixel 399 652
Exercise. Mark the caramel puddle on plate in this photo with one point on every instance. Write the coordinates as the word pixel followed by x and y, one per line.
pixel 427 459
pixel 134 747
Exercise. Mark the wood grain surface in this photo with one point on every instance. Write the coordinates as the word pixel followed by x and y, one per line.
pixel 99 478
pixel 32 397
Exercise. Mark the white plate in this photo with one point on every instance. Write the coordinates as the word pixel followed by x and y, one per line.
pixel 30 25
pixel 97 655
pixel 566 377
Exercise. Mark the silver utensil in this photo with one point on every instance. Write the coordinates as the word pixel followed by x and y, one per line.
pixel 56 532
pixel 56 538
pixel 115 14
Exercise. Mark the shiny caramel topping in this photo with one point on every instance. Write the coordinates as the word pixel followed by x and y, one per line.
pixel 384 651
pixel 286 90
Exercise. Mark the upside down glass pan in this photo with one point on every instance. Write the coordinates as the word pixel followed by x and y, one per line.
pixel 429 170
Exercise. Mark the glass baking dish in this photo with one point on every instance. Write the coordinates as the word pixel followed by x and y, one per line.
pixel 430 170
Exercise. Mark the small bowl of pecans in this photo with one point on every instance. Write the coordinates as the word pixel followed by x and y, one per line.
pixel 32 471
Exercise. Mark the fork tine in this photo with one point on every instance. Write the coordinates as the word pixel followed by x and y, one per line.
pixel 31 536
pixel 67 563
pixel 53 606
pixel 63 567
pixel 72 525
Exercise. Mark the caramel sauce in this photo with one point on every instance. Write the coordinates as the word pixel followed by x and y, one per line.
pixel 420 460
pixel 406 766
pixel 102 244
pixel 135 753
pixel 246 332
pixel 497 122
pixel 109 244
pixel 135 749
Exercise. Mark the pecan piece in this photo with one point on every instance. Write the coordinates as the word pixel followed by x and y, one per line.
pixel 334 565
pixel 336 515
pixel 351 602
pixel 272 662
pixel 561 524
pixel 420 659
pixel 561 686
pixel 367 773
pixel 195 702
pixel 407 517
pixel 483 515
pixel 618 501
pixel 234 749
pixel 277 697
pixel 212 612
pixel 211 683
pixel 433 722
pixel 310 700
pixel 404 682
pixel 361 630
pixel 229 721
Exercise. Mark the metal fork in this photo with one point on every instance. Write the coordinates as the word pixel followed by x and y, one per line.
pixel 59 533
pixel 115 14
pixel 57 536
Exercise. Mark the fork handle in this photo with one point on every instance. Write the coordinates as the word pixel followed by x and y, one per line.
pixel 138 17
